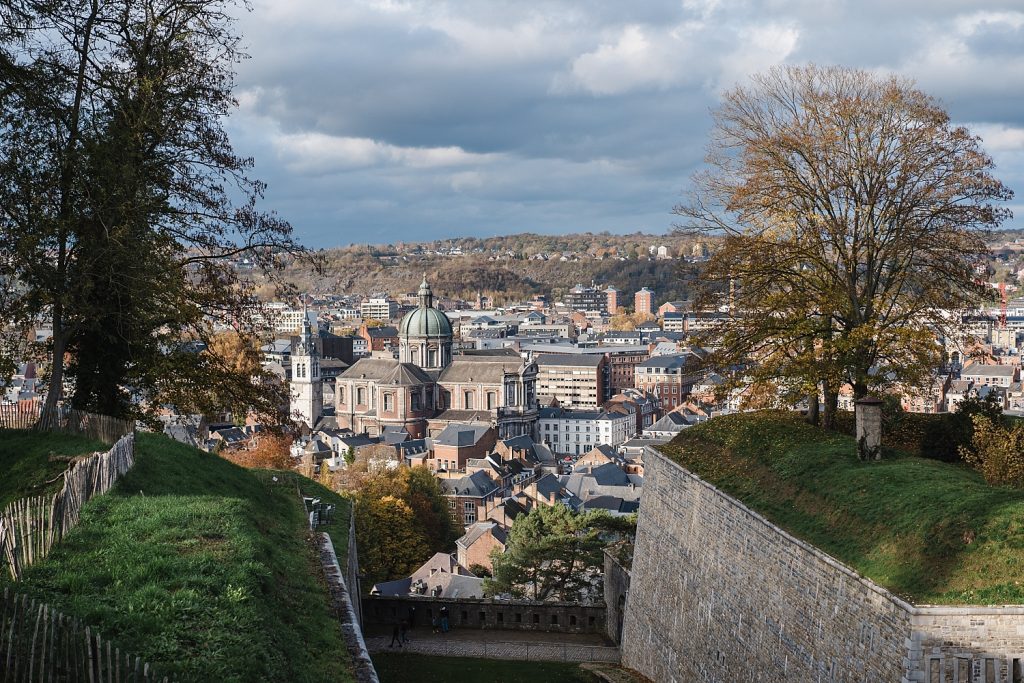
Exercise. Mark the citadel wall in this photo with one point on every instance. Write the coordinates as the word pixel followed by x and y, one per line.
pixel 719 593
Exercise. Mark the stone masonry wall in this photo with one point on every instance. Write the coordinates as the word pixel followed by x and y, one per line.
pixel 507 615
pixel 718 593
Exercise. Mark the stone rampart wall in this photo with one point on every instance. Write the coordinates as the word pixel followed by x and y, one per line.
pixel 508 615
pixel 718 593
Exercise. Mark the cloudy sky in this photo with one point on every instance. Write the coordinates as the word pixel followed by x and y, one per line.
pixel 386 120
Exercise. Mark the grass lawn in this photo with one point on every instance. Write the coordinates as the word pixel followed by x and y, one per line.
pixel 28 460
pixel 201 569
pixel 929 531
pixel 338 527
pixel 403 668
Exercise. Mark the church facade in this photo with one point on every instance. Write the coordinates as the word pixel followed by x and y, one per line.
pixel 427 387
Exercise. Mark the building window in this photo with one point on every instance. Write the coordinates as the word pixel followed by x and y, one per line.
pixel 341 394
pixel 467 400
pixel 469 512
pixel 492 400
pixel 416 401
pixel 389 402
pixel 361 396
pixel 432 358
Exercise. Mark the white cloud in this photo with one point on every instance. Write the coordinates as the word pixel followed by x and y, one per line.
pixel 636 59
pixel 998 137
pixel 312 152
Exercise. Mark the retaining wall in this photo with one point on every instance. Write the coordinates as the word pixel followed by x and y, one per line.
pixel 508 615
pixel 719 593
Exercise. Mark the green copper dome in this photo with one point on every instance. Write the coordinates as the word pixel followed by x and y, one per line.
pixel 425 321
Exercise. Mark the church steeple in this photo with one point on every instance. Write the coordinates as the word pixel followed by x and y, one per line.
pixel 307 401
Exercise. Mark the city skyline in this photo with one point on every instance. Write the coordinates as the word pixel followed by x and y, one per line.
pixel 387 121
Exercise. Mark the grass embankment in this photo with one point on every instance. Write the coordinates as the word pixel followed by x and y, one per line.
pixel 200 568
pixel 31 462
pixel 931 532
pixel 403 668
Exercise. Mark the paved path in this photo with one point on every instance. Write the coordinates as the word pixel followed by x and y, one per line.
pixel 528 645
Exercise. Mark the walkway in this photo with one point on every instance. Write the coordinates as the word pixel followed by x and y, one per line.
pixel 523 645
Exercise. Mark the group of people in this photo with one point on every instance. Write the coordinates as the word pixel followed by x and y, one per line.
pixel 400 633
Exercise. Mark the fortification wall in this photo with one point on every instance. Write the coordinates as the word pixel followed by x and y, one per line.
pixel 718 593
pixel 506 615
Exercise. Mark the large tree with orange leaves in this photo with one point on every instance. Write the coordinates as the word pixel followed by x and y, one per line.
pixel 853 215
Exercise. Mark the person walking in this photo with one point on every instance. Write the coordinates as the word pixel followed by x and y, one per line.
pixel 404 632
pixel 396 636
pixel 412 620
pixel 444 619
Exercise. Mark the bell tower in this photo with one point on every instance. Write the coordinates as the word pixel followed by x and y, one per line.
pixel 307 385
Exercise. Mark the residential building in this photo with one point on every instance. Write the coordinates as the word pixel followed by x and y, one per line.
pixel 574 380
pixel 669 378
pixel 470 497
pixel 574 432
pixel 581 298
pixel 379 308
pixel 643 301
pixel 380 339
pixel 613 300
pixel 673 322
pixel 458 443
pixel 990 375
pixel 480 539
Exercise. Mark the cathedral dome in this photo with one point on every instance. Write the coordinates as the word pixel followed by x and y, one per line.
pixel 425 321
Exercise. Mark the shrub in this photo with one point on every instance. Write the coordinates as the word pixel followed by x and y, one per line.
pixel 997 451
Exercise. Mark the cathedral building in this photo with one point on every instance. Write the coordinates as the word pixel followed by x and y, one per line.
pixel 428 388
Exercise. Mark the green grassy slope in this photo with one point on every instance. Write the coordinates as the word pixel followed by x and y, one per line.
pixel 31 463
pixel 929 531
pixel 200 568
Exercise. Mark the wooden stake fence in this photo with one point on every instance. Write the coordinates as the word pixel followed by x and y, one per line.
pixel 65 419
pixel 29 527
pixel 38 644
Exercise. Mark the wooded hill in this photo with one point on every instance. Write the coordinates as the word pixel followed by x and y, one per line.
pixel 506 268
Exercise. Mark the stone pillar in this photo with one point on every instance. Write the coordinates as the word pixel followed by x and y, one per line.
pixel 868 412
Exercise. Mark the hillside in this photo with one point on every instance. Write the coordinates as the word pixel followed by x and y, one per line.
pixel 202 568
pixel 32 463
pixel 931 532
pixel 503 267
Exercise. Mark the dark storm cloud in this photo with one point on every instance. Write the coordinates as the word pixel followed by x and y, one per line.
pixel 386 120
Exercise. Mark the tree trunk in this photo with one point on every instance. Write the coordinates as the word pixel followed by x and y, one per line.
pixel 60 332
pixel 812 407
pixel 828 420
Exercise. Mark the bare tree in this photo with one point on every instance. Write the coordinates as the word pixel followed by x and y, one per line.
pixel 853 216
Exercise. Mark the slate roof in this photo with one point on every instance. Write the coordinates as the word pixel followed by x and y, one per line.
pixel 478 530
pixel 371 368
pixel 384 332
pixel 406 375
pixel 461 435
pixel 465 416
pixel 571 360
pixel 988 370
pixel 673 361
pixel 394 434
pixel 476 485
pixel 486 369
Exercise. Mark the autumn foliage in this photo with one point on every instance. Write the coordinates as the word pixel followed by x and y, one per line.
pixel 272 451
